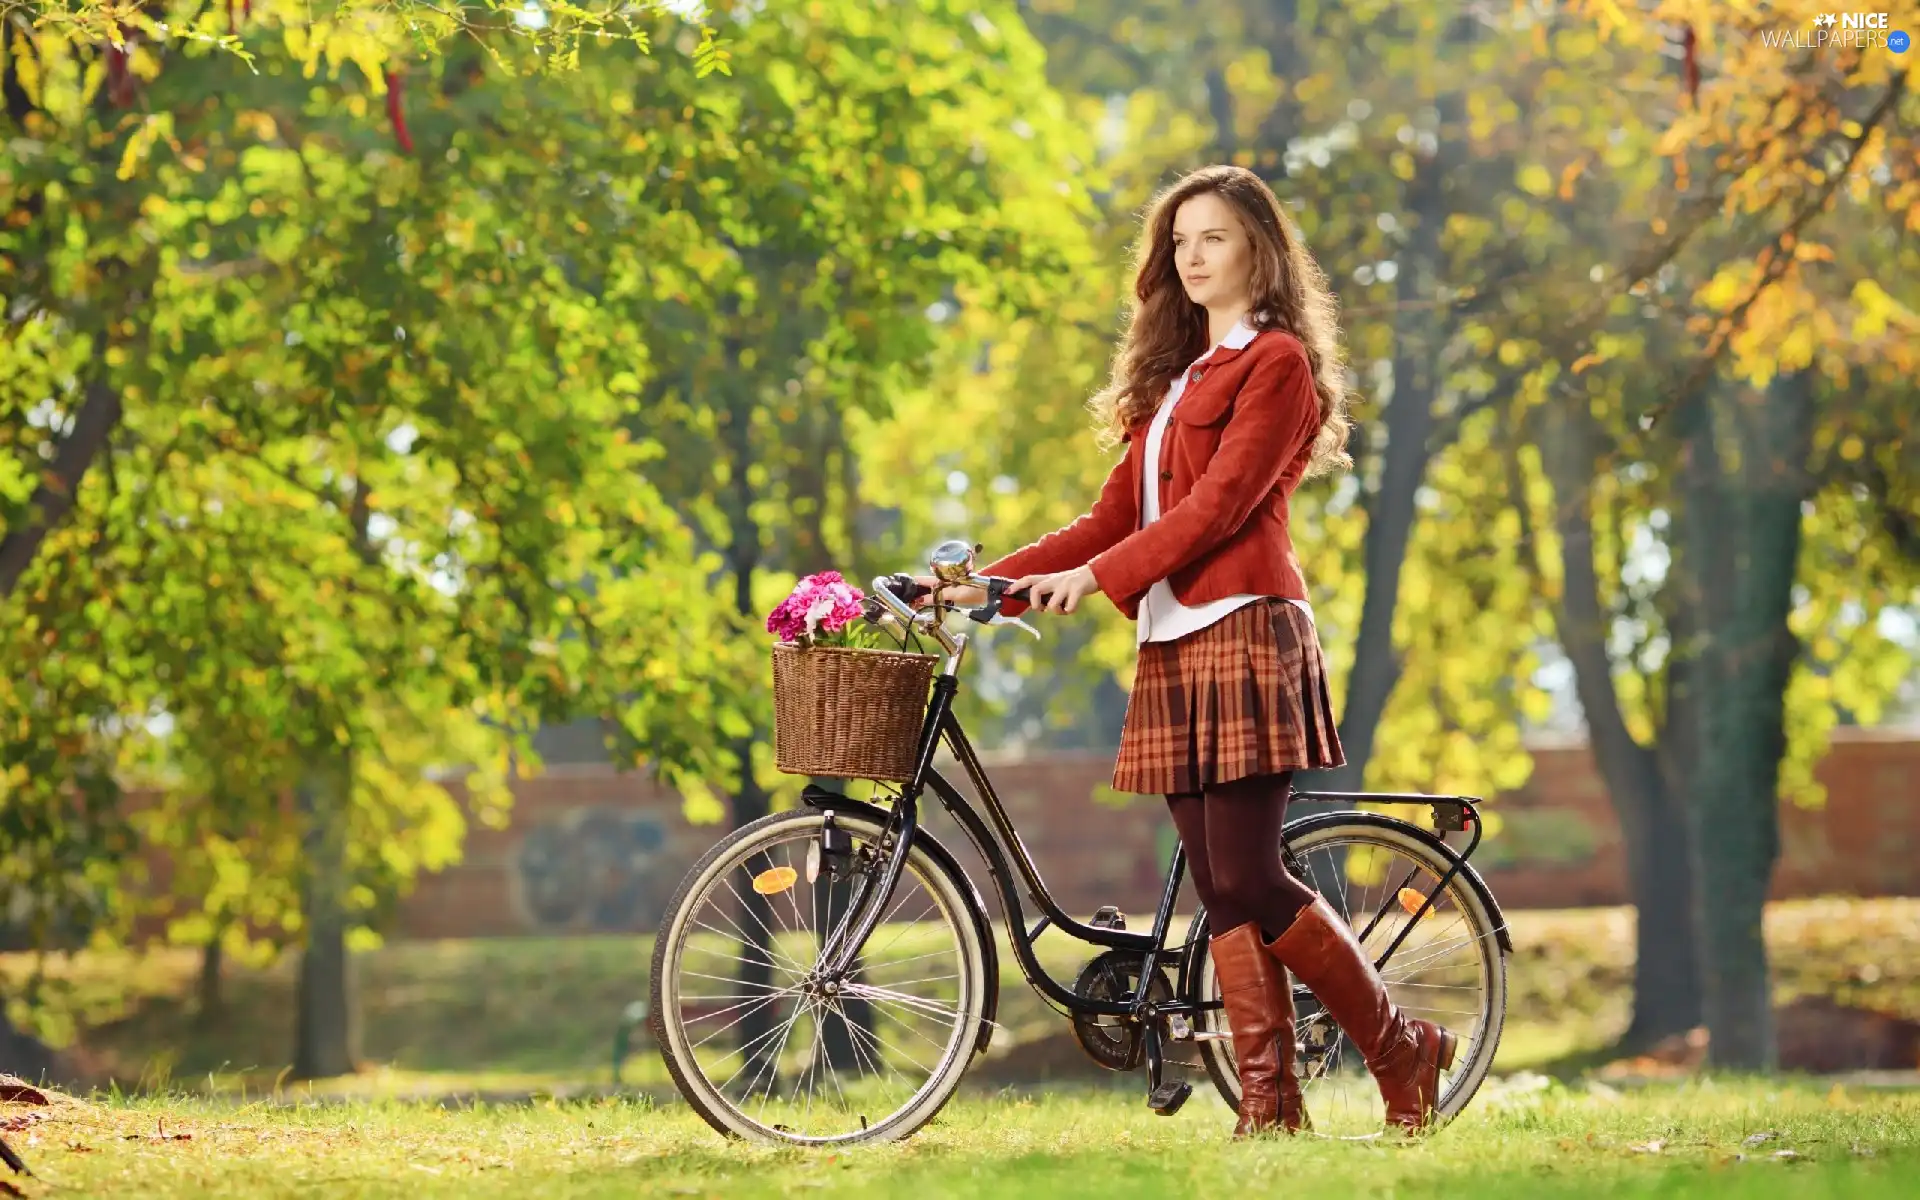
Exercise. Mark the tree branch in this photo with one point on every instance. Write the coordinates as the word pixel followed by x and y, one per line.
pixel 99 414
pixel 1778 256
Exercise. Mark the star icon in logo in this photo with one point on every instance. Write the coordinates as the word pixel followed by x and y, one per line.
pixel 1826 19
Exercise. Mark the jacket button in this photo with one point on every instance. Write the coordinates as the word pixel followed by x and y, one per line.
pixel 1197 373
pixel 1166 476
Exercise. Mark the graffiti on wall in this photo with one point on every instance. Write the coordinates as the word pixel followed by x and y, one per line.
pixel 595 870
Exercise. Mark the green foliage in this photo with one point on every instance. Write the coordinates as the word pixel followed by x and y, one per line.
pixel 890 176
pixel 375 35
pixel 370 495
pixel 414 450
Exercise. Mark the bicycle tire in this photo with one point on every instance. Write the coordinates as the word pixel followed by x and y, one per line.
pixel 953 893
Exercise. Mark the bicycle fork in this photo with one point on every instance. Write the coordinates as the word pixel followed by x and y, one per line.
pixel 870 896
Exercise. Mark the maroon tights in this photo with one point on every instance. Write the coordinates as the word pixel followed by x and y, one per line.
pixel 1232 838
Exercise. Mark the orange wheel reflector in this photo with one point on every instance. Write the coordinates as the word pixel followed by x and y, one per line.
pixel 1412 900
pixel 774 880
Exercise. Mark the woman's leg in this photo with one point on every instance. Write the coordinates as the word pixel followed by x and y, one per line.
pixel 1304 935
pixel 1243 853
pixel 1253 986
pixel 1189 818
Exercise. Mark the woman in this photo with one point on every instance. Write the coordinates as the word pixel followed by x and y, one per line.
pixel 1228 391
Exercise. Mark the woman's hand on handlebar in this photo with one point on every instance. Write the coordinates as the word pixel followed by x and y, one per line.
pixel 1062 591
pixel 958 595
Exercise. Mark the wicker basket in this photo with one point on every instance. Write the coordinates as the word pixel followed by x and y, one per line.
pixel 849 713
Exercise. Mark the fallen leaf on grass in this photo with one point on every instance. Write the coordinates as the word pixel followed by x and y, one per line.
pixel 1862 1151
pixel 1756 1139
pixel 1653 1147
pixel 16 1090
pixel 19 1121
pixel 1786 1156
pixel 79 1148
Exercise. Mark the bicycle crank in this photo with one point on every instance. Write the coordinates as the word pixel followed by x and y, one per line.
pixel 1115 1042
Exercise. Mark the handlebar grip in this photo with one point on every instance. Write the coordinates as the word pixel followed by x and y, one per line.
pixel 906 588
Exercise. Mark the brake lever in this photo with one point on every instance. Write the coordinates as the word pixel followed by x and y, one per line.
pixel 990 614
pixel 997 619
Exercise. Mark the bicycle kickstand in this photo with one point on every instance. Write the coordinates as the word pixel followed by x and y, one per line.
pixel 1164 1096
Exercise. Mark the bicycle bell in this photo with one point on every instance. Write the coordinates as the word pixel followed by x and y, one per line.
pixel 952 561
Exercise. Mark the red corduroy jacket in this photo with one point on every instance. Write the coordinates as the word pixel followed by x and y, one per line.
pixel 1235 449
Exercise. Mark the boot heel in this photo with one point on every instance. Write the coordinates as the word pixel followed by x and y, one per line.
pixel 1449 1042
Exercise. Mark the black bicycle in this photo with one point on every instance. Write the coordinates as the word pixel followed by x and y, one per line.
pixel 826 975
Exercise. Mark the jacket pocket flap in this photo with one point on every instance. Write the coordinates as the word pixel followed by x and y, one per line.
pixel 1204 406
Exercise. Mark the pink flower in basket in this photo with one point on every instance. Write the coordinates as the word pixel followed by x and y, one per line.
pixel 820 608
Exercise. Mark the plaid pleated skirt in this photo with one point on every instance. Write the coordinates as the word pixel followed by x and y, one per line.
pixel 1245 696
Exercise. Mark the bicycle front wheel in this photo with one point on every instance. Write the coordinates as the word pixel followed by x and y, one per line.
pixel 761 1044
pixel 1447 966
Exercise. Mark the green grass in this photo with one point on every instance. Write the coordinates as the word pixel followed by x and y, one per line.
pixel 1522 1142
pixel 513 1015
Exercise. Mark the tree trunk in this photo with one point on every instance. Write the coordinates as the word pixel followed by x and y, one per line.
pixel 1226 143
pixel 750 801
pixel 1742 528
pixel 25 1055
pixel 1278 28
pixel 1666 965
pixel 325 1036
pixel 209 1003
pixel 1420 334
pixel 1666 990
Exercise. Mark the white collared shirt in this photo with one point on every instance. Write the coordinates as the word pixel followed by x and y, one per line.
pixel 1162 617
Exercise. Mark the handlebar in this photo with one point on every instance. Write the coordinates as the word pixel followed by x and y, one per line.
pixel 896 593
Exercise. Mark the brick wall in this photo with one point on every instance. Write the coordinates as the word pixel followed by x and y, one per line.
pixel 594 850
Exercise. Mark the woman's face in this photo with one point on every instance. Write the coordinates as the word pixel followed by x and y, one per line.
pixel 1212 253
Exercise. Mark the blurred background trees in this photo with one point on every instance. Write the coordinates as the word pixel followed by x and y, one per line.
pixel 384 384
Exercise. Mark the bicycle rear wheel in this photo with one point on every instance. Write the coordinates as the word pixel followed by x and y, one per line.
pixel 1376 872
pixel 760 1043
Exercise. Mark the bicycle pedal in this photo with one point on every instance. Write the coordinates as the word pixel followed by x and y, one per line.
pixel 1168 1097
pixel 1109 917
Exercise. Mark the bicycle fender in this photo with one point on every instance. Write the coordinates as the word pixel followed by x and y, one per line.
pixel 1500 934
pixel 821 798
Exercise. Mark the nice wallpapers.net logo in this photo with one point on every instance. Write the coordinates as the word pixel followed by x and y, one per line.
pixel 1863 31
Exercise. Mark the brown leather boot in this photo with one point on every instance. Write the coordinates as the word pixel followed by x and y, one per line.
pixel 1259 1004
pixel 1405 1054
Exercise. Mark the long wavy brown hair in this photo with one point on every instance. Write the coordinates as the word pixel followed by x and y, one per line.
pixel 1166 331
